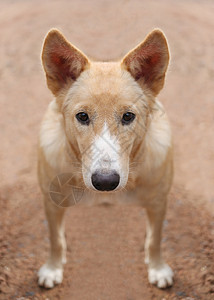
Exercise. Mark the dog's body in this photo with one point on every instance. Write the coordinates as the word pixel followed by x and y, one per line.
pixel 106 128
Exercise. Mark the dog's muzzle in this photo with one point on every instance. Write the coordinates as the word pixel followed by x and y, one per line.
pixel 105 181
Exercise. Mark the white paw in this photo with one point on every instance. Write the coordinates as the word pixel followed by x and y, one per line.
pixel 162 276
pixel 48 276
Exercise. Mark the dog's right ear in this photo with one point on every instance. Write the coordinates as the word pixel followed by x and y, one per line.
pixel 148 62
pixel 62 62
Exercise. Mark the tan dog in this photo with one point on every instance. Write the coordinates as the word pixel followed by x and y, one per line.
pixel 103 122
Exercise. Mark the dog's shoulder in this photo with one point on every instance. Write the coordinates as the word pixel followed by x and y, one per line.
pixel 158 140
pixel 52 135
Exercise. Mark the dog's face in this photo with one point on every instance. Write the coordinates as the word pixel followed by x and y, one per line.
pixel 105 106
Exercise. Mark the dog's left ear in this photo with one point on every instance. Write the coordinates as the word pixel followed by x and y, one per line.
pixel 148 62
pixel 62 62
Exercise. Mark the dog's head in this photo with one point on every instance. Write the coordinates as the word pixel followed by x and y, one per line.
pixel 105 105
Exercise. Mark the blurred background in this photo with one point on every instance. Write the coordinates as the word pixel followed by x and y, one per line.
pixel 105 244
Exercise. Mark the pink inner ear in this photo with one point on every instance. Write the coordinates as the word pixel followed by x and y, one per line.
pixel 155 59
pixel 149 60
pixel 55 59
pixel 61 61
pixel 151 54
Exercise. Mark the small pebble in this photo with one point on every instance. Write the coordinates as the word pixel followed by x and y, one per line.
pixel 180 293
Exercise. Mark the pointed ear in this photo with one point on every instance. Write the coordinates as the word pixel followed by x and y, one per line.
pixel 62 62
pixel 148 62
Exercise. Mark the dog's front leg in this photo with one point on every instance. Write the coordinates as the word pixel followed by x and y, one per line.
pixel 51 273
pixel 159 272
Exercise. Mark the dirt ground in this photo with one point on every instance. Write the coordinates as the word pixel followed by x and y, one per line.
pixel 105 243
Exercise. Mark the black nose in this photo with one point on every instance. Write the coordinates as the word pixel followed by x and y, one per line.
pixel 105 182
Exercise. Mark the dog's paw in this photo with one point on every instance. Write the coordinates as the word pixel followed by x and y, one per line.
pixel 48 277
pixel 162 276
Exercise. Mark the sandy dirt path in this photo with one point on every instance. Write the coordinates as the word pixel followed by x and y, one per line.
pixel 105 243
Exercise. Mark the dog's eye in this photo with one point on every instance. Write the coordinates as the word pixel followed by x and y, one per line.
pixel 83 118
pixel 127 118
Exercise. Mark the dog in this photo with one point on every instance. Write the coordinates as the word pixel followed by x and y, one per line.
pixel 106 128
